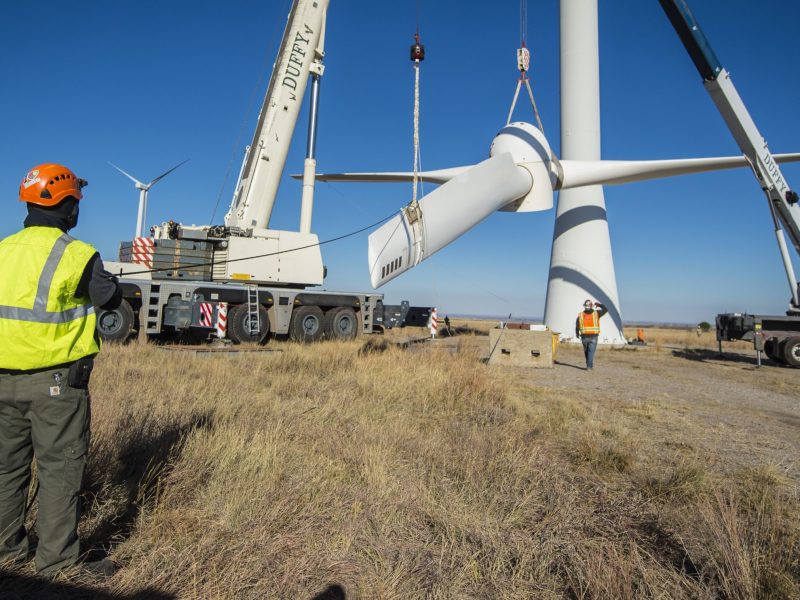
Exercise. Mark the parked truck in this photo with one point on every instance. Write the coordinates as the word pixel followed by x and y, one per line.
pixel 777 336
pixel 241 277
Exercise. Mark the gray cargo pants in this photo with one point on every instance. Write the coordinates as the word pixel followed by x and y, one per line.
pixel 41 416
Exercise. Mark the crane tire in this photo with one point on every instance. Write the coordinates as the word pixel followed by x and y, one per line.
pixel 791 351
pixel 239 324
pixel 116 325
pixel 307 324
pixel 341 323
pixel 771 350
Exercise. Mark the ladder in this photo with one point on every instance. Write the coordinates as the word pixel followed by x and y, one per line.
pixel 151 303
pixel 254 322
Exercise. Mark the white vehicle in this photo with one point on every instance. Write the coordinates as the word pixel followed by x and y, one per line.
pixel 189 278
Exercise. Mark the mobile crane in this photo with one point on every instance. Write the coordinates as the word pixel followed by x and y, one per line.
pixel 194 273
pixel 777 336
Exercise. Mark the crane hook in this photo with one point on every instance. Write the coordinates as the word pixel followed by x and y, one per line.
pixel 417 49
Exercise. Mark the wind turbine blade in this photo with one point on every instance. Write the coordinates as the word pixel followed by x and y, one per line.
pixel 440 176
pixel 164 174
pixel 578 173
pixel 128 175
pixel 446 213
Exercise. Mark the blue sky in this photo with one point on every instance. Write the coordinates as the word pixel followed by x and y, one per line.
pixel 148 84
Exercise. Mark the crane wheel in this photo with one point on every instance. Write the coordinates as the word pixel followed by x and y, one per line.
pixel 341 323
pixel 791 351
pixel 771 350
pixel 307 324
pixel 116 325
pixel 239 325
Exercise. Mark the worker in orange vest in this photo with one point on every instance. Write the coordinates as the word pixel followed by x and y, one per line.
pixel 587 328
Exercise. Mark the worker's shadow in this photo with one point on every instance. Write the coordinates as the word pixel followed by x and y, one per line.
pixel 16 586
pixel 565 364
pixel 129 464
pixel 332 592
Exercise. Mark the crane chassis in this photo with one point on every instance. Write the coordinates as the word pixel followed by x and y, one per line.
pixel 243 280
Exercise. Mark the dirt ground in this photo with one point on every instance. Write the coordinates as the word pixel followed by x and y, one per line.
pixel 693 399
pixel 684 396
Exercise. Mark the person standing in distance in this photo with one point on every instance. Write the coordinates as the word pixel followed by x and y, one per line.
pixel 587 328
pixel 50 285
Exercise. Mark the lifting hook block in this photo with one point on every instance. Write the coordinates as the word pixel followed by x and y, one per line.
pixel 417 49
pixel 523 59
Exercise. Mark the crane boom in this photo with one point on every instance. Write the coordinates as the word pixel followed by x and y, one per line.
pixel 717 81
pixel 299 55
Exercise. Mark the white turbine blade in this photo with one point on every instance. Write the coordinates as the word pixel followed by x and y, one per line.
pixel 439 176
pixel 578 173
pixel 447 213
pixel 128 175
pixel 164 174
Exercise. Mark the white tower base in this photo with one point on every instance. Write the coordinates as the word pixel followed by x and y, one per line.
pixel 581 264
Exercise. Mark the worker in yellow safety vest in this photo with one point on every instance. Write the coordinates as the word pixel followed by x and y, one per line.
pixel 587 328
pixel 50 287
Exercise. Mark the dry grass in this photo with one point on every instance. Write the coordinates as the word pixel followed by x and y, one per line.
pixel 399 475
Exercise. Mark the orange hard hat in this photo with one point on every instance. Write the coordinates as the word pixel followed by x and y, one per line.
pixel 49 184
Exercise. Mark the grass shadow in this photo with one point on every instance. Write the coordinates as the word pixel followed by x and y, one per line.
pixel 125 469
pixel 664 543
pixel 16 586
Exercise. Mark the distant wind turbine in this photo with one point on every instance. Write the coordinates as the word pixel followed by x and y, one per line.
pixel 143 188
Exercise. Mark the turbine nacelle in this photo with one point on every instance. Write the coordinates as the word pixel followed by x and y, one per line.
pixel 531 151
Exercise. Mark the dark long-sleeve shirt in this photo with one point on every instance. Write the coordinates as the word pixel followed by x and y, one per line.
pixel 100 285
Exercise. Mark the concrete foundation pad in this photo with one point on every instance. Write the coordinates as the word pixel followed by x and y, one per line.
pixel 521 348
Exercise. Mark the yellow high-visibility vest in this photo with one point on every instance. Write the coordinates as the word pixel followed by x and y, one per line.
pixel 42 324
pixel 589 323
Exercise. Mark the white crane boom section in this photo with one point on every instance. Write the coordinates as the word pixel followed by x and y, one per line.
pixel 300 53
pixel 754 147
pixel 783 202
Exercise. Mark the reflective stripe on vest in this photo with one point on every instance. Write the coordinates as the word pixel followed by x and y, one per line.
pixel 39 313
pixel 590 323
pixel 41 322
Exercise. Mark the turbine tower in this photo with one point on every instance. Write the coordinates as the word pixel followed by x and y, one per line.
pixel 143 188
pixel 581 263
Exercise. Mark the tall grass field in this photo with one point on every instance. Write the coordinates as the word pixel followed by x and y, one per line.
pixel 321 471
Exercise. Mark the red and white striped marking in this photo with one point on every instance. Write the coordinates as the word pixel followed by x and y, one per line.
pixel 433 323
pixel 206 312
pixel 142 252
pixel 222 320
